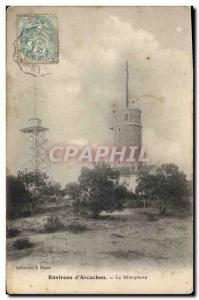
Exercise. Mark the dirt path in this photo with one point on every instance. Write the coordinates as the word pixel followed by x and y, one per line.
pixel 122 238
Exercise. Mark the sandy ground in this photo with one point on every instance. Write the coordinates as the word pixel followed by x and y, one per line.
pixel 119 239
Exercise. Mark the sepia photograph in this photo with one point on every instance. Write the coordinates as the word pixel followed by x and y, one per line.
pixel 99 179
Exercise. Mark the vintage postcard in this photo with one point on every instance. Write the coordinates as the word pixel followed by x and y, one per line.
pixel 99 150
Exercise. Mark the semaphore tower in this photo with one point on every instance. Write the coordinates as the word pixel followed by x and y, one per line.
pixel 127 131
pixel 127 127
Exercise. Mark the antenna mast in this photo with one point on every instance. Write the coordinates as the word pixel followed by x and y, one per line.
pixel 127 84
pixel 35 98
pixel 36 141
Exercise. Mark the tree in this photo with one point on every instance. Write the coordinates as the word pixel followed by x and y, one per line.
pixel 22 196
pixel 51 188
pixel 97 190
pixel 45 186
pixel 31 179
pixel 168 187
pixel 19 199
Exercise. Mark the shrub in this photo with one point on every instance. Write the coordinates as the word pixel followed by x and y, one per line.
pixel 19 199
pixel 97 190
pixel 23 198
pixel 168 187
pixel 53 224
pixel 12 232
pixel 76 227
pixel 152 218
pixel 22 244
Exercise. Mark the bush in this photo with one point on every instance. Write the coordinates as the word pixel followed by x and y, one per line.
pixel 76 227
pixel 23 199
pixel 97 190
pixel 53 224
pixel 12 232
pixel 19 199
pixel 22 244
pixel 152 218
pixel 133 201
pixel 168 187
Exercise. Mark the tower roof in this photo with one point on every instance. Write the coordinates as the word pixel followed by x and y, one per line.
pixel 34 128
pixel 35 124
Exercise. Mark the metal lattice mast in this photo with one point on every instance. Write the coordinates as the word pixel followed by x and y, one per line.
pixel 36 141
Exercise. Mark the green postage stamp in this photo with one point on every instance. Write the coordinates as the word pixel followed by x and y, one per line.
pixel 37 39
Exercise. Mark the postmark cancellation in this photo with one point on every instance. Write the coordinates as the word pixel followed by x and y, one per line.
pixel 37 39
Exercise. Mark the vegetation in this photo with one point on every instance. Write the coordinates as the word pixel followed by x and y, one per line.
pixel 21 244
pixel 19 199
pixel 76 227
pixel 169 188
pixel 23 198
pixel 45 187
pixel 12 232
pixel 132 201
pixel 53 224
pixel 97 190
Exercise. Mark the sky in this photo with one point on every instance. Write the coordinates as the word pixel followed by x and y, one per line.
pixel 94 44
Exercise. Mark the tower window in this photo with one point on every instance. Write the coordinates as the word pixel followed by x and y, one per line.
pixel 126 117
pixel 119 129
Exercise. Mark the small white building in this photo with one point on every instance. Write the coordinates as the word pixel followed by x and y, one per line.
pixel 128 176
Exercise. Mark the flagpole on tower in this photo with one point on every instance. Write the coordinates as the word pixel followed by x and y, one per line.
pixel 127 85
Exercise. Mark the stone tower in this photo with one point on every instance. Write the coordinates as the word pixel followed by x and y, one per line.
pixel 127 131
pixel 126 125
